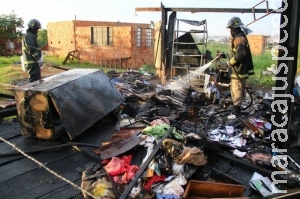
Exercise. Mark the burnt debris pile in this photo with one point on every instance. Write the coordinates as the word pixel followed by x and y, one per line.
pixel 174 141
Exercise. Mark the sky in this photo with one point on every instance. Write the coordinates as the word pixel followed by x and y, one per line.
pixel 124 11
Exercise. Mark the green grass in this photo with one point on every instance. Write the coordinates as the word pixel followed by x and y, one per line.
pixel 213 47
pixel 54 60
pixel 261 63
pixel 58 61
pixel 5 61
pixel 9 71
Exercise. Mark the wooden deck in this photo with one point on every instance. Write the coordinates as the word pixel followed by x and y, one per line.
pixel 21 177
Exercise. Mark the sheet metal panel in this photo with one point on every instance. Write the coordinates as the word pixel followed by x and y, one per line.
pixel 76 99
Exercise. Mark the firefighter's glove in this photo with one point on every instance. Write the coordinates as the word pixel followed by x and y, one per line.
pixel 40 62
pixel 228 64
pixel 35 56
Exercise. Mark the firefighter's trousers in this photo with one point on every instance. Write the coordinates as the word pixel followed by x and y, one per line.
pixel 237 91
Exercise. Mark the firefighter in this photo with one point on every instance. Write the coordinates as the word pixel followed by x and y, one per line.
pixel 32 55
pixel 240 64
pixel 296 89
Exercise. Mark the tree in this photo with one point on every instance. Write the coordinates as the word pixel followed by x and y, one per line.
pixel 42 38
pixel 9 31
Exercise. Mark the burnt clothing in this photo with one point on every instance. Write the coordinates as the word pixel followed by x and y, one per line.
pixel 241 58
pixel 31 54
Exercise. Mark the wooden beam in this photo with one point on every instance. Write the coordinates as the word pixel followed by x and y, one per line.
pixel 164 22
pixel 194 10
pixel 149 9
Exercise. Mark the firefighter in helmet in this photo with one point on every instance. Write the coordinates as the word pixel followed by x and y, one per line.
pixel 32 55
pixel 240 63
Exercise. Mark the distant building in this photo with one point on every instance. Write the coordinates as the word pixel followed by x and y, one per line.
pixel 219 39
pixel 113 44
pixel 257 43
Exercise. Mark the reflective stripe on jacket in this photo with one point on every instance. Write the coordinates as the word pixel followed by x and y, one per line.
pixel 241 59
pixel 30 49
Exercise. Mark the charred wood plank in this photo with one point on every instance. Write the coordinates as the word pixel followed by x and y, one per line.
pixel 10 129
pixel 175 101
pixel 7 96
pixel 59 67
pixel 67 191
pixel 247 165
pixel 223 177
pixel 42 182
pixel 291 192
pixel 70 56
pixel 26 144
pixel 7 112
pixel 23 165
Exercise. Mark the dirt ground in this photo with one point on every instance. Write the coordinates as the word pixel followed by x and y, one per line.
pixel 47 70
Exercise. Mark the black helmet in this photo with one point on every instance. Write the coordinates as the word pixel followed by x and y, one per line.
pixel 34 24
pixel 234 22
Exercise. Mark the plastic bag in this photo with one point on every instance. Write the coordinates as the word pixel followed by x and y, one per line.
pixel 115 166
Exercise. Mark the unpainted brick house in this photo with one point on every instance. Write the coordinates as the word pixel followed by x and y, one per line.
pixel 257 43
pixel 114 44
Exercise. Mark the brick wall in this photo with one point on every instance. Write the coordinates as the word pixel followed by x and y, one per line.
pixel 141 54
pixel 67 36
pixel 60 38
pixel 257 44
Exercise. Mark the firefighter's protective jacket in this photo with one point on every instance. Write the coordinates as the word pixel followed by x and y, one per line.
pixel 31 52
pixel 241 57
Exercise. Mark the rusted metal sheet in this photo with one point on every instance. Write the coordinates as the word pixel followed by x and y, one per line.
pixel 125 140
pixel 75 99
pixel 194 10
pixel 7 103
pixel 7 106
pixel 7 112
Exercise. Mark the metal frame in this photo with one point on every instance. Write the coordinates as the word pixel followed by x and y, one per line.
pixel 164 14
pixel 267 11
pixel 204 33
pixel 292 13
